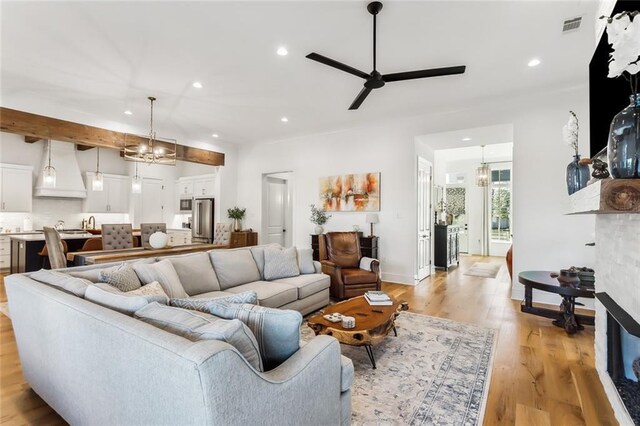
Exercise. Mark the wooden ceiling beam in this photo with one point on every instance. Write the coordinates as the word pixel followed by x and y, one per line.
pixel 80 147
pixel 35 127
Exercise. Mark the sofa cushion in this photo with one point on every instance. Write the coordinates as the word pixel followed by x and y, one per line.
pixel 110 297
pixel 196 326
pixel 196 273
pixel 122 277
pixel 164 273
pixel 62 281
pixel 234 267
pixel 280 263
pixel 346 373
pixel 271 294
pixel 307 284
pixel 211 295
pixel 358 276
pixel 92 272
pixel 202 304
pixel 305 261
pixel 276 330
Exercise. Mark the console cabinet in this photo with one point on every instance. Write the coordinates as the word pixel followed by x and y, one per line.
pixel 446 250
pixel 243 239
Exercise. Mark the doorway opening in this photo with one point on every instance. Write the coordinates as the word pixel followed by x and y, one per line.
pixel 277 208
pixel 425 218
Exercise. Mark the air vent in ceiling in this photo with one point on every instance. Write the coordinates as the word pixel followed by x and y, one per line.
pixel 571 24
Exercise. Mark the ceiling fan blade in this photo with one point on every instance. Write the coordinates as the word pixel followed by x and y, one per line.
pixel 339 65
pixel 360 98
pixel 434 72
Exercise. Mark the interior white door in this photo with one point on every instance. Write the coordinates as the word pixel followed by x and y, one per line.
pixel 424 219
pixel 152 196
pixel 276 193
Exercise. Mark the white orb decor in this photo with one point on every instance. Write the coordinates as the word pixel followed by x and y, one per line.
pixel 158 240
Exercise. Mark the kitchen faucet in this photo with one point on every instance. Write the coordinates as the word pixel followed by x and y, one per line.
pixel 92 222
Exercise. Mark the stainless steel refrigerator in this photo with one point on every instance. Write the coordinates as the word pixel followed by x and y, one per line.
pixel 202 220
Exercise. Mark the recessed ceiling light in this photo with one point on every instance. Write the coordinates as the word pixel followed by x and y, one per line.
pixel 197 85
pixel 282 51
pixel 466 139
pixel 284 119
pixel 127 112
pixel 534 62
pixel 215 135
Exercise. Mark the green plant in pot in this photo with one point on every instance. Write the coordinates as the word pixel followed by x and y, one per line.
pixel 318 217
pixel 237 214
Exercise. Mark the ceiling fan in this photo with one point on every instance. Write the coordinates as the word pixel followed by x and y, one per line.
pixel 375 80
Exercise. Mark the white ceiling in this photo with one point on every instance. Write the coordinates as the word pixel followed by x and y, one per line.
pixel 90 61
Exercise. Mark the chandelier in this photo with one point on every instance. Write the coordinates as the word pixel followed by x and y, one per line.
pixel 482 172
pixel 149 149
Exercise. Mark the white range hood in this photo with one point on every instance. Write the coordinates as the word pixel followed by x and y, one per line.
pixel 69 183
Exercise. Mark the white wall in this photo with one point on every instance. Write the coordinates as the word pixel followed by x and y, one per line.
pixel 544 238
pixel 46 211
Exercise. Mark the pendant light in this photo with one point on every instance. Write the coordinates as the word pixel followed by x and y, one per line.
pixel 482 172
pixel 97 184
pixel 49 172
pixel 136 183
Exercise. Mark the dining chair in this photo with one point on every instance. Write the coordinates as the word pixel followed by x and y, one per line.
pixel 146 229
pixel 55 248
pixel 117 236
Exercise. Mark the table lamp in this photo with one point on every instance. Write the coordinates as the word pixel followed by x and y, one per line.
pixel 372 218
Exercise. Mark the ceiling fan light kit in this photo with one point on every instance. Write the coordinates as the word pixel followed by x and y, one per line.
pixel 375 80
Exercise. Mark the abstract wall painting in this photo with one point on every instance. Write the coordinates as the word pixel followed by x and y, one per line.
pixel 350 193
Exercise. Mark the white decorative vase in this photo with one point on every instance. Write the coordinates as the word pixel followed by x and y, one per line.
pixel 158 240
pixel 319 229
pixel 237 225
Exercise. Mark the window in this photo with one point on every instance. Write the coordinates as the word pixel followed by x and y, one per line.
pixel 501 205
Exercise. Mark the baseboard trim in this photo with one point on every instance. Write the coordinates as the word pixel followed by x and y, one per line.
pixel 398 279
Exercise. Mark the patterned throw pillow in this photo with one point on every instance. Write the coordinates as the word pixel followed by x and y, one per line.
pixel 110 297
pixel 280 263
pixel 202 304
pixel 122 277
pixel 196 326
pixel 276 330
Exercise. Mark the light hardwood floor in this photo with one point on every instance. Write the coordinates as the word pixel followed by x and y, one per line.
pixel 540 375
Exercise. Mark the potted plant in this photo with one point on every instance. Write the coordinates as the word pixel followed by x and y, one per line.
pixel 237 214
pixel 319 217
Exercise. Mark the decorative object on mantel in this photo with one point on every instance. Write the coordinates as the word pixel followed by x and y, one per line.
pixel 49 172
pixel 318 217
pixel 567 277
pixel 577 174
pixel 237 214
pixel 350 193
pixel 624 136
pixel 155 151
pixel 599 169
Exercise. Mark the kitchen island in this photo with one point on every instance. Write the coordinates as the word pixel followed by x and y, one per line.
pixel 25 249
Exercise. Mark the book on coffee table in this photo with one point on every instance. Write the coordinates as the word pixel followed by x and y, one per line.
pixel 378 298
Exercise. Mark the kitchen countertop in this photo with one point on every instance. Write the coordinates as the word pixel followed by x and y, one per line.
pixel 20 233
pixel 40 236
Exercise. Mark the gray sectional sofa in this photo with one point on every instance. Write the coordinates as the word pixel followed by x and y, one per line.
pixel 95 365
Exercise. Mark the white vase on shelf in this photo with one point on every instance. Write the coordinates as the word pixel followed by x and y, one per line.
pixel 319 229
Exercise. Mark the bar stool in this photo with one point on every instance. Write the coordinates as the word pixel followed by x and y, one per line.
pixel 45 253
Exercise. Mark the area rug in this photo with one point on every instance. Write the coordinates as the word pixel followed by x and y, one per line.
pixel 484 270
pixel 436 372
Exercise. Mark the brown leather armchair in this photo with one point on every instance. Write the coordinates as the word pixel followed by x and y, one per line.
pixel 340 257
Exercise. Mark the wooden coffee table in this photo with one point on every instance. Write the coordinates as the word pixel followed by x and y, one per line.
pixel 373 323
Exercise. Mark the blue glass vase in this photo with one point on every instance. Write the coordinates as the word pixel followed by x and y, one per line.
pixel 577 175
pixel 624 142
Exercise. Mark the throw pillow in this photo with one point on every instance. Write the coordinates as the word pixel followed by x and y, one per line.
pixel 202 304
pixel 196 273
pixel 280 263
pixel 196 326
pixel 62 281
pixel 234 267
pixel 121 277
pixel 276 330
pixel 305 261
pixel 165 274
pixel 258 255
pixel 110 297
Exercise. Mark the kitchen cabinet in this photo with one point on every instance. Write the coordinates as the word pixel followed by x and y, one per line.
pixel 5 253
pixel 203 187
pixel 114 197
pixel 179 237
pixel 185 188
pixel 446 246
pixel 16 188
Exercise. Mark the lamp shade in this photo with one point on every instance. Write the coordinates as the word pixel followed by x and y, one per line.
pixel 371 218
